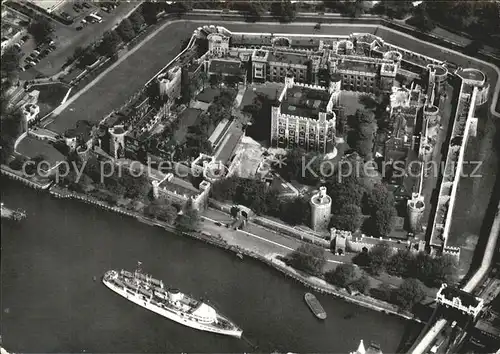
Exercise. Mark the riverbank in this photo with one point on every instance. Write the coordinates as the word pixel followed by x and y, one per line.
pixel 242 248
pixel 32 183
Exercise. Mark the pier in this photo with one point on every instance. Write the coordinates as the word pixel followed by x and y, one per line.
pixel 11 214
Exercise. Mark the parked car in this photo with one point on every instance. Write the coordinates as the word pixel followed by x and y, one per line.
pixel 79 28
pixel 25 38
pixel 79 6
pixel 76 9
pixel 27 66
pixel 87 5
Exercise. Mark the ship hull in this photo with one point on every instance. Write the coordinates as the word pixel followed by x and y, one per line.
pixel 171 315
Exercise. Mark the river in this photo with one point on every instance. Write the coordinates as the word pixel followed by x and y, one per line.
pixel 51 302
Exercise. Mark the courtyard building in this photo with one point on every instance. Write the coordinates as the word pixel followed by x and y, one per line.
pixel 303 117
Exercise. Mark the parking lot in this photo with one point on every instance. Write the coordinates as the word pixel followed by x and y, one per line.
pixel 68 38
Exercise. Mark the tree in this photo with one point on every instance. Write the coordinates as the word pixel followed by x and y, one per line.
pixel 364 127
pixel 150 11
pixel 10 129
pixel 251 11
pixel 343 275
pixel 409 293
pixel 401 263
pixel 383 292
pixel 295 211
pixel 41 29
pixel 362 284
pixel 135 186
pixel 393 9
pixel 126 30
pixel 380 205
pixel 307 258
pixel 421 19
pixel 348 219
pixel 109 43
pixel 137 21
pixel 473 47
pixel 382 222
pixel 10 63
pixel 345 191
pixel 162 210
pixel 444 270
pixel 225 189
pixel 189 220
pixel 302 166
pixel 353 8
pixel 283 10
pixel 379 257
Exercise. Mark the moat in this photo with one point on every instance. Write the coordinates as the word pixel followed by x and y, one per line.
pixel 52 303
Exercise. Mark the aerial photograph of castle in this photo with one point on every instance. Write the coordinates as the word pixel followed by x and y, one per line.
pixel 262 176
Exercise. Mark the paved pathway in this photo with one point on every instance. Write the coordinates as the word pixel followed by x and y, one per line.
pixel 258 239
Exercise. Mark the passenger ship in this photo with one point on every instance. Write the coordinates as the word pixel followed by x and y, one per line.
pixel 151 294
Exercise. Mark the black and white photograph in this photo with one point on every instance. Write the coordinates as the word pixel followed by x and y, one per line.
pixel 228 176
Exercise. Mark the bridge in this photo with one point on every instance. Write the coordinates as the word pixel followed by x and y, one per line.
pixel 430 334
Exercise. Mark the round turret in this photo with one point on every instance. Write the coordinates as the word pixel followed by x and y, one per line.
pixel 321 206
pixel 416 208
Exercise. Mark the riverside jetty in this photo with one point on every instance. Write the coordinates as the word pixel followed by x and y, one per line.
pixel 11 214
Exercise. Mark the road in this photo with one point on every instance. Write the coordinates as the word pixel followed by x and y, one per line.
pixel 258 239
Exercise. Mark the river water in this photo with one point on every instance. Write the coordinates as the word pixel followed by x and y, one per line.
pixel 51 303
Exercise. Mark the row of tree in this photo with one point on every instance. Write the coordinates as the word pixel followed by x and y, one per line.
pixel 311 259
pixel 128 29
pixel 432 271
pixel 262 199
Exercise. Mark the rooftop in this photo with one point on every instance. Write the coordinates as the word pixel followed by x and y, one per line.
pixel 357 66
pixel 179 186
pixel 290 58
pixel 466 299
pixel 471 74
pixel 321 200
pixel 304 102
pixel 439 69
pixel 226 67
pixel 246 40
pixel 303 42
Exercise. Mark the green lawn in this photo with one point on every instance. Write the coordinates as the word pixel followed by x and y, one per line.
pixel 186 119
pixel 51 96
pixel 114 89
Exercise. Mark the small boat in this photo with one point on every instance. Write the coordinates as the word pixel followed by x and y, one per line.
pixel 239 255
pixel 315 306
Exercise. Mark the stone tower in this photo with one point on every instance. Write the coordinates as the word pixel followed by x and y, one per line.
pixel 117 141
pixel 416 208
pixel 321 207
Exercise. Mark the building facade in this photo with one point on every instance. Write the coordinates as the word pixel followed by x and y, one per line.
pixel 182 193
pixel 303 117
